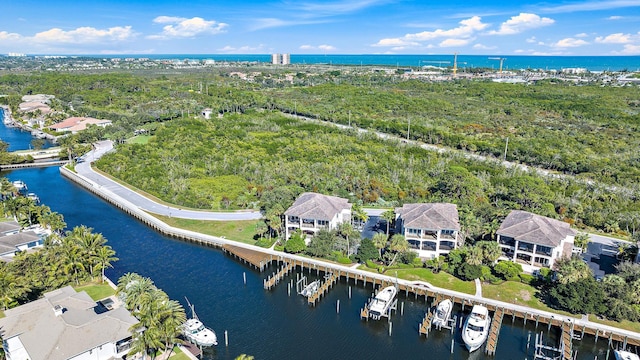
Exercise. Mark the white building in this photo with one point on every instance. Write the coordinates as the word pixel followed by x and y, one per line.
pixel 430 229
pixel 281 59
pixel 206 113
pixel 534 241
pixel 312 212
pixel 66 325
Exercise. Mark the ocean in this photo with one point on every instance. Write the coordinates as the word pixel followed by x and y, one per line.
pixel 511 62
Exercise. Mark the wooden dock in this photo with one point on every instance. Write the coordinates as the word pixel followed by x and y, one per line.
pixel 567 337
pixel 330 280
pixel 273 280
pixel 494 332
pixel 254 258
pixel 425 326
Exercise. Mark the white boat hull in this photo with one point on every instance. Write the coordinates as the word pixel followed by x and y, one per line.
pixel 476 328
pixel 442 314
pixel 381 305
pixel 625 355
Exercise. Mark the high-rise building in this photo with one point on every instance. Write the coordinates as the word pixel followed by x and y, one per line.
pixel 280 59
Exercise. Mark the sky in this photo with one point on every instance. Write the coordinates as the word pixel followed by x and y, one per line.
pixel 480 27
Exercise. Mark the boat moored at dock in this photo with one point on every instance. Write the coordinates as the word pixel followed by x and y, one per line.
pixel 442 314
pixel 195 331
pixel 20 185
pixel 476 328
pixel 625 355
pixel 382 304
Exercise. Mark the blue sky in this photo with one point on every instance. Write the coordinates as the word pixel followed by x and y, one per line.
pixel 552 27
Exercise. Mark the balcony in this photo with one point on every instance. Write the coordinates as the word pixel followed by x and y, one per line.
pixel 447 245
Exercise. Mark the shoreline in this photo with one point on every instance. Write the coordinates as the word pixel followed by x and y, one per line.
pixel 7 118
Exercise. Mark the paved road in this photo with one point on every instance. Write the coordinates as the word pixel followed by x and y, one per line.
pixel 144 203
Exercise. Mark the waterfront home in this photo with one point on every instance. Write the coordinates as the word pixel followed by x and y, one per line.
pixel 431 229
pixel 75 124
pixel 312 212
pixel 534 241
pixel 21 241
pixel 66 324
pixel 9 227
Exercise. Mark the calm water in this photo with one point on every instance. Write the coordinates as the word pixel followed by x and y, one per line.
pixel 16 138
pixel 265 324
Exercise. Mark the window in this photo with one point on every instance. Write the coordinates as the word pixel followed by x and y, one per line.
pixel 544 250
pixel 323 222
pixel 508 241
pixel 523 246
pixel 294 219
pixel 414 244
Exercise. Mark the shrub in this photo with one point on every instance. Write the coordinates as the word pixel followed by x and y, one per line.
pixel 407 257
pixel 344 260
pixel 265 242
pixel 508 269
pixel 526 278
pixel 469 272
pixel 371 265
pixel 295 244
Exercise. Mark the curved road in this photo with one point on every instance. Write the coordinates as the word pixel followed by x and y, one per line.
pixel 102 147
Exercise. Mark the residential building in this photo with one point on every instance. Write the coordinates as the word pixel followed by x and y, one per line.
pixel 431 229
pixel 534 241
pixel 206 113
pixel 21 241
pixel 280 59
pixel 75 124
pixel 63 325
pixel 312 212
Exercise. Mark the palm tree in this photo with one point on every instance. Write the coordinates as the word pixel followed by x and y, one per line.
pixel 88 242
pixel 105 256
pixel 145 340
pixel 347 230
pixel 474 256
pixel 135 291
pixel 73 261
pixel 380 242
pixel 359 216
pixel 582 241
pixel 173 318
pixel 398 245
pixel 389 216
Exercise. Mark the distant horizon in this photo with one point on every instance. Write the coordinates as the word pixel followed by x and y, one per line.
pixel 301 54
pixel 391 27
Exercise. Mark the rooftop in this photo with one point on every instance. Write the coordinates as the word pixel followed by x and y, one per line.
pixel 535 229
pixel 429 216
pixel 317 206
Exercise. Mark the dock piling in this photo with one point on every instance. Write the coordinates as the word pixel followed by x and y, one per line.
pixel 338 307
pixel 244 277
pixel 226 338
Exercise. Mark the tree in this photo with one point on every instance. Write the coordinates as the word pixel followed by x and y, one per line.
pixel 490 251
pixel 322 243
pixel 583 296
pixel 380 242
pixel 436 263
pixel 398 245
pixel 508 269
pixel 581 241
pixel 388 216
pixel 367 251
pixel 573 269
pixel 296 243
pixel 105 256
pixel 347 231
pixel 359 216
pixel 469 272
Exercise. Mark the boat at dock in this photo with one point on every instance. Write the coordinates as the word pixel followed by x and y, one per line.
pixel 380 306
pixel 20 185
pixel 442 314
pixel 195 331
pixel 625 355
pixel 34 197
pixel 311 288
pixel 476 328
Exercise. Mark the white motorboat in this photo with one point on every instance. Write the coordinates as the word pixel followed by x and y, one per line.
pixel 442 314
pixel 34 197
pixel 311 288
pixel 476 328
pixel 625 355
pixel 381 304
pixel 195 331
pixel 20 185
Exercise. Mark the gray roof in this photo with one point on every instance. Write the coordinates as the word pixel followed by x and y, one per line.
pixel 9 243
pixel 7 226
pixel 436 216
pixel 535 229
pixel 49 337
pixel 317 206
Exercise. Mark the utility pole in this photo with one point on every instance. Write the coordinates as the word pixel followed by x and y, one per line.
pixel 506 146
pixel 349 118
pixel 408 129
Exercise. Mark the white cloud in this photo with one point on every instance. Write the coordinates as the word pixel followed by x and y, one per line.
pixel 615 17
pixel 483 47
pixel 519 23
pixel 617 38
pixel 531 40
pixel 630 49
pixel 466 30
pixel 186 28
pixel 591 6
pixel 325 8
pixel 582 35
pixel 242 49
pixel 569 43
pixel 455 42
pixel 323 47
pixel 7 36
pixel 84 35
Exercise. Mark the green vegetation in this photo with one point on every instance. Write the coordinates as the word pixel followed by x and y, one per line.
pixel 243 231
pixel 441 280
pixel 96 291
pixel 140 139
pixel 515 293
pixel 178 354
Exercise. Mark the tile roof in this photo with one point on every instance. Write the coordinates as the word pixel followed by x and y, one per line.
pixel 317 206
pixel 78 123
pixel 429 216
pixel 535 229
pixel 49 337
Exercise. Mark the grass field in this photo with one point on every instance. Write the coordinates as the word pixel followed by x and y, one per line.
pixel 140 139
pixel 624 324
pixel 242 231
pixel 518 293
pixel 97 291
pixel 441 279
pixel 178 354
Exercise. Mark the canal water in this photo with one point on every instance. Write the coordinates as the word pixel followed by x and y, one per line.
pixel 268 324
pixel 17 138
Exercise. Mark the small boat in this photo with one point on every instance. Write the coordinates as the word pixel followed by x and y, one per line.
pixel 20 185
pixel 195 331
pixel 442 314
pixel 310 289
pixel 476 328
pixel 381 304
pixel 625 355
pixel 34 197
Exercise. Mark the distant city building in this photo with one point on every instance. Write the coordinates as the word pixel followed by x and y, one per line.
pixel 13 54
pixel 280 59
pixel 576 71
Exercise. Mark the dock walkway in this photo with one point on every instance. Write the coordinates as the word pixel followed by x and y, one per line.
pixel 494 331
pixel 257 259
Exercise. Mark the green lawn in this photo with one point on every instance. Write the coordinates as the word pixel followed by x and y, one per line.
pixel 518 293
pixel 441 279
pixel 242 231
pixel 178 354
pixel 140 139
pixel 96 291
pixel 624 324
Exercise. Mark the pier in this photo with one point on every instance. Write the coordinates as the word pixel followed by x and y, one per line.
pixel 33 164
pixel 274 280
pixel 330 280
pixel 494 331
pixel 254 258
